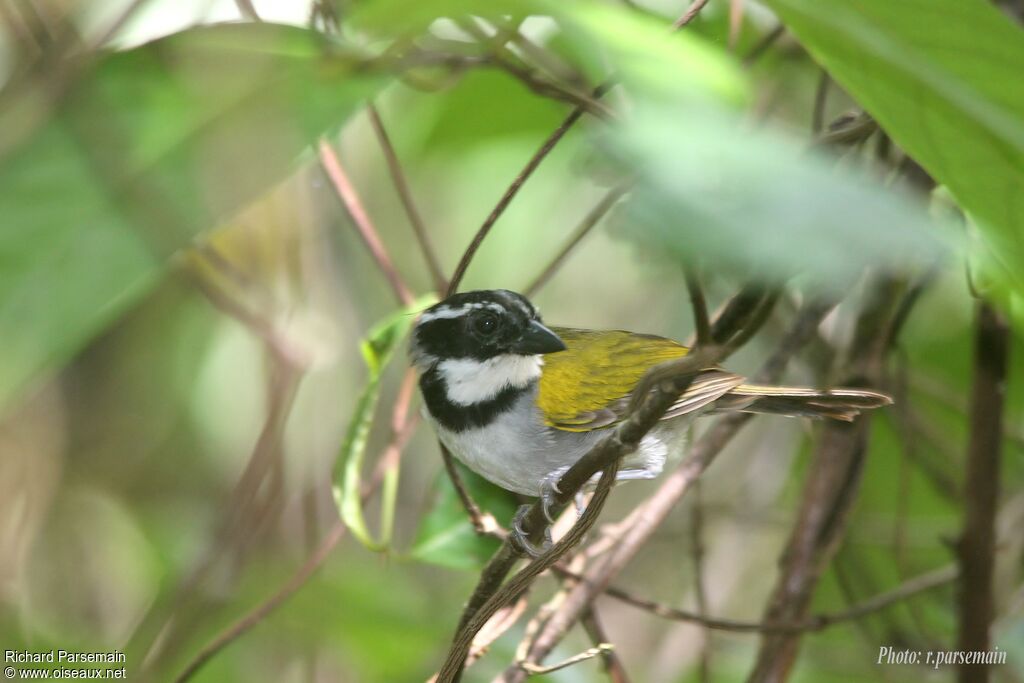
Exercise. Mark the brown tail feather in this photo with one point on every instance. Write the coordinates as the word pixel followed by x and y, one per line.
pixel 836 404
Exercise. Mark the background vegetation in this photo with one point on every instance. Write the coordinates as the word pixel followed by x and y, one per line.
pixel 217 219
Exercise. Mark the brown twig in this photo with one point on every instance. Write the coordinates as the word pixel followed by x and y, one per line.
pixel 508 196
pixel 697 556
pixel 507 60
pixel 701 323
pixel 689 15
pixel 733 316
pixel 762 45
pixel 610 660
pixel 820 100
pixel 483 523
pixel 405 194
pixel 758 317
pixel 588 223
pixel 257 614
pixel 976 547
pixel 819 622
pixel 247 10
pixel 364 226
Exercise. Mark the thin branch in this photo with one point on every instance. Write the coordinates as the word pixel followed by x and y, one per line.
pixel 613 665
pixel 736 12
pixel 483 522
pixel 590 653
pixel 757 319
pixel 819 622
pixel 699 304
pixel 247 10
pixel 261 611
pixel 510 193
pixel 697 555
pixel 507 60
pixel 762 46
pixel 689 15
pixel 347 193
pixel 553 90
pixel 820 100
pixel 588 223
pixel 405 194
pixel 733 317
pixel 847 130
pixel 976 547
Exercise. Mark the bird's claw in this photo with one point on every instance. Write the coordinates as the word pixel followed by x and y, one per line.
pixel 520 538
pixel 549 493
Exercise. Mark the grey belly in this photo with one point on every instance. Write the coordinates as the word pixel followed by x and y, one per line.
pixel 517 451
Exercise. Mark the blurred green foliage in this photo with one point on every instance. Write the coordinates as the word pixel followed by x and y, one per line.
pixel 135 385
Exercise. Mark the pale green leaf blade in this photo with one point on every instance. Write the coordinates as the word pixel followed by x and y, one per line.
pixel 378 349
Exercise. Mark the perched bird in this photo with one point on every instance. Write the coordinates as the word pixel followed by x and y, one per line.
pixel 519 402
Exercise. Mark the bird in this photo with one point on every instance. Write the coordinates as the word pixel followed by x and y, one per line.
pixel 519 402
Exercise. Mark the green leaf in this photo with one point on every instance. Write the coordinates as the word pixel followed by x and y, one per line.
pixel 757 202
pixel 150 147
pixel 377 349
pixel 942 77
pixel 446 537
pixel 646 57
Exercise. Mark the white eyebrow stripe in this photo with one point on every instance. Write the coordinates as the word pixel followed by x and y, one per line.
pixel 444 312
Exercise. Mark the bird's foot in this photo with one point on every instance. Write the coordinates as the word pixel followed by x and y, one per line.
pixel 520 539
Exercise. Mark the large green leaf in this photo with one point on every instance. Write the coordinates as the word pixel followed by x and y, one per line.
pixel 758 203
pixel 143 151
pixel 943 78
pixel 446 537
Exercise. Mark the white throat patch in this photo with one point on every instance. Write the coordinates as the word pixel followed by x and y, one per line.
pixel 471 381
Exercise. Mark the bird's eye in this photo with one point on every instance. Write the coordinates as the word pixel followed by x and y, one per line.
pixel 485 324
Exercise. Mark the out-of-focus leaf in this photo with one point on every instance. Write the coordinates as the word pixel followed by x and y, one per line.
pixel 759 202
pixel 446 537
pixel 642 54
pixel 142 152
pixel 377 348
pixel 942 77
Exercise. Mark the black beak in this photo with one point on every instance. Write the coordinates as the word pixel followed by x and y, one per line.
pixel 538 339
